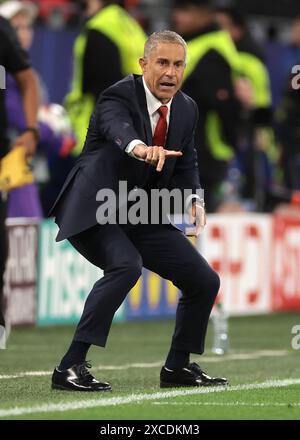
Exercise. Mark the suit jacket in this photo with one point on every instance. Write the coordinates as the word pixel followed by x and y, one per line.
pixel 120 116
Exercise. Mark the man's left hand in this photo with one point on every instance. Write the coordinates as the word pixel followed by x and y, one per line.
pixel 197 216
pixel 28 140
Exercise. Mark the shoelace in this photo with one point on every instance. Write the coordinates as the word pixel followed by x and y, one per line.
pixel 83 369
pixel 196 368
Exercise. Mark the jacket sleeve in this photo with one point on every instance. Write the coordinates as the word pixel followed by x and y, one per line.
pixel 115 117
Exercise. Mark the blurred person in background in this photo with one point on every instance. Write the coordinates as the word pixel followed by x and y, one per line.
pixel 25 201
pixel 106 50
pixel 56 14
pixel 257 151
pixel 292 51
pixel 287 114
pixel 212 64
pixel 15 61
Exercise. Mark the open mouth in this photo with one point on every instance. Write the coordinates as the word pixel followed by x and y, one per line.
pixel 168 85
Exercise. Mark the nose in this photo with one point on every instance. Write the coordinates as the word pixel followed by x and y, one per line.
pixel 170 70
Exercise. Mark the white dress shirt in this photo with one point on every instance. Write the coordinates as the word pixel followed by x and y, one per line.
pixel 153 105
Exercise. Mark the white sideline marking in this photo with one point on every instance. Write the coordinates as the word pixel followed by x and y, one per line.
pixel 254 404
pixel 99 368
pixel 136 398
pixel 209 359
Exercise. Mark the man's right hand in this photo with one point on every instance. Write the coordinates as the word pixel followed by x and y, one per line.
pixel 244 92
pixel 154 155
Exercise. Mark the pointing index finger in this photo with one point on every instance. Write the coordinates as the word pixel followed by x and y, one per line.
pixel 172 153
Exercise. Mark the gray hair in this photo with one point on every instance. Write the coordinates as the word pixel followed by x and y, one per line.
pixel 164 37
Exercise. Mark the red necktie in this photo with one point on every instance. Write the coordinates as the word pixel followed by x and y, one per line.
pixel 159 137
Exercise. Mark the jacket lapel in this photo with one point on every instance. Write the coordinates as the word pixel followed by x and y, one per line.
pixel 144 110
pixel 175 124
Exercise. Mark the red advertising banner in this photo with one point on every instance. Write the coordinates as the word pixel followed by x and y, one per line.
pixel 285 275
pixel 237 246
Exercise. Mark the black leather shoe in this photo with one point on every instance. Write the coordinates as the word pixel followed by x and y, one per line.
pixel 191 376
pixel 205 379
pixel 77 378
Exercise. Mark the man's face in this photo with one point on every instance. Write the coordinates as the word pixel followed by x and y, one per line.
pixel 225 22
pixel 188 20
pixel 91 7
pixel 22 23
pixel 163 70
pixel 295 37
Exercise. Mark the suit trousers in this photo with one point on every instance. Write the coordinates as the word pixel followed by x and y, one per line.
pixel 121 251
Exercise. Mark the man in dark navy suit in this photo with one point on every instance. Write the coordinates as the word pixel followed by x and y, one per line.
pixel 141 133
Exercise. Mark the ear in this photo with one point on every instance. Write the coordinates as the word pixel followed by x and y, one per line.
pixel 143 63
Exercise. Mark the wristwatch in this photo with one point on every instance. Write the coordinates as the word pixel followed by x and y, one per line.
pixel 35 131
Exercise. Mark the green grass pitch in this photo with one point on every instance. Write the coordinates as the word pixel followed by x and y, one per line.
pixel 262 366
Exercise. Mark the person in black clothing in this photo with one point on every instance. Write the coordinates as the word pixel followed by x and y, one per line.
pixel 14 60
pixel 287 115
pixel 95 79
pixel 287 119
pixel 106 50
pixel 257 151
pixel 211 85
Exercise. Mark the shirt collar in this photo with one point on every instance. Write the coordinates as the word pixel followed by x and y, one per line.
pixel 153 103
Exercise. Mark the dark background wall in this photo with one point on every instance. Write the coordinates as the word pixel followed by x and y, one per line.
pixel 51 55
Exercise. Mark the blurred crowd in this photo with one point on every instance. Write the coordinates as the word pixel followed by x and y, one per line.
pixel 248 146
pixel 57 14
